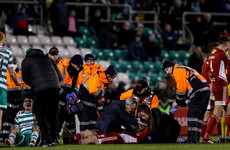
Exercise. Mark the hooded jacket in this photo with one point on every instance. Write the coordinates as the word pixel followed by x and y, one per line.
pixel 93 88
pixel 40 72
pixel 88 71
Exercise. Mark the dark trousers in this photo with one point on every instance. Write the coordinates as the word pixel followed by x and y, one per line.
pixel 197 108
pixel 88 118
pixel 46 111
pixel 63 115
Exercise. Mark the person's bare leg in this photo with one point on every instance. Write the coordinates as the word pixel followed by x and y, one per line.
pixel 228 109
pixel 207 115
pixel 218 110
pixel 89 140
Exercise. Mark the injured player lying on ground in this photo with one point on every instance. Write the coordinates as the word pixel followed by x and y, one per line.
pixel 97 137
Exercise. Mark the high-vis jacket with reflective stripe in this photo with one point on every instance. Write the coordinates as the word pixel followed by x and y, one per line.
pixel 88 71
pixel 67 79
pixel 153 103
pixel 11 85
pixel 61 67
pixel 188 81
pixel 93 88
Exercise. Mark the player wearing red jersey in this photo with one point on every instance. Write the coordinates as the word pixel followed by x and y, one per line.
pixel 97 137
pixel 218 62
pixel 206 72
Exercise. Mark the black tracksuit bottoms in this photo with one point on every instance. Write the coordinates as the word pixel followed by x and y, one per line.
pixel 46 111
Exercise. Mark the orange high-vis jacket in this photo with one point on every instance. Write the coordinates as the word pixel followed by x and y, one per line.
pixel 93 89
pixel 94 85
pixel 11 85
pixel 187 80
pixel 153 103
pixel 61 68
pixel 65 61
pixel 88 71
pixel 67 79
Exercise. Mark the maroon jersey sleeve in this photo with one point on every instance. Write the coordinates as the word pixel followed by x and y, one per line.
pixel 206 71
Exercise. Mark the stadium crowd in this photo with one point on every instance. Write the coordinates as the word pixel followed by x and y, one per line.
pixel 75 96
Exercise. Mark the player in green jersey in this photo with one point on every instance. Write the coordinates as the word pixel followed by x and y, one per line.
pixel 25 131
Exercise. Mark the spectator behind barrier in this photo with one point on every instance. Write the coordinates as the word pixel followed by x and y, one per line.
pixel 19 22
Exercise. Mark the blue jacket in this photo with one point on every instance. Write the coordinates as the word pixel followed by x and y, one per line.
pixel 137 51
pixel 115 116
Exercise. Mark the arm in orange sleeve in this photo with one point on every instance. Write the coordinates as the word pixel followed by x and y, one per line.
pixel 179 75
pixel 61 68
pixel 180 78
pixel 126 94
pixel 154 102
pixel 79 79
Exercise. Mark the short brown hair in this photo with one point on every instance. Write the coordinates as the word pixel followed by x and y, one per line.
pixel 2 36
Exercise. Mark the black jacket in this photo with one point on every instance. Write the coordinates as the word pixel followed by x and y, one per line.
pixel 167 129
pixel 40 72
pixel 115 116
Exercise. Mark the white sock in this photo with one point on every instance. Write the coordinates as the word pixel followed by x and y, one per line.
pixel 12 137
pixel 34 136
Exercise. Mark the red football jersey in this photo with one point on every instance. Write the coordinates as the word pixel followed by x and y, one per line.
pixel 120 137
pixel 218 61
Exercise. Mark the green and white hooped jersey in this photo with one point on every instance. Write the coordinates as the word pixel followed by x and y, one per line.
pixel 6 61
pixel 25 121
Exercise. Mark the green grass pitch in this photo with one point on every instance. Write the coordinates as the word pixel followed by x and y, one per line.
pixel 218 146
